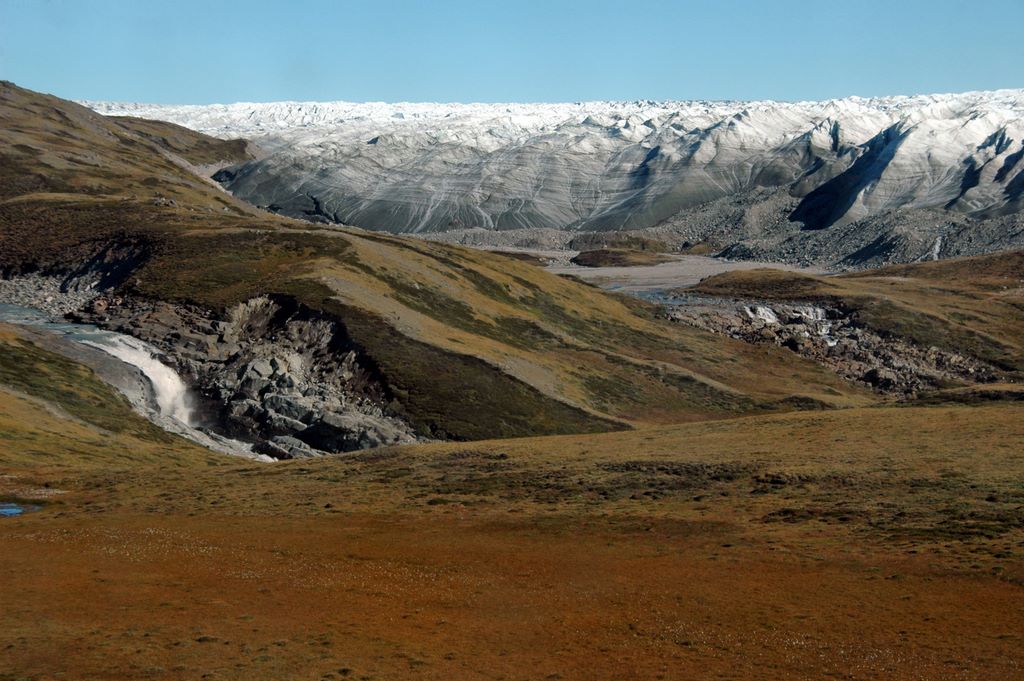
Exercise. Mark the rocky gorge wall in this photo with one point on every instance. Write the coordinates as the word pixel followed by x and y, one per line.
pixel 270 370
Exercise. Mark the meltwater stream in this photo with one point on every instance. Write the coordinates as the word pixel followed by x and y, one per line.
pixel 164 399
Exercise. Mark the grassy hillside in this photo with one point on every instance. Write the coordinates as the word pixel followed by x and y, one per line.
pixel 52 146
pixel 196 148
pixel 473 344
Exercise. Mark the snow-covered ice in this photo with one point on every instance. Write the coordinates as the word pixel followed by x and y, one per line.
pixel 408 167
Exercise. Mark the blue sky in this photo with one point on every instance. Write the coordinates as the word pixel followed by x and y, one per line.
pixel 184 51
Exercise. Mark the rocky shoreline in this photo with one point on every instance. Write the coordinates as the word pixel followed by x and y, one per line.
pixel 48 294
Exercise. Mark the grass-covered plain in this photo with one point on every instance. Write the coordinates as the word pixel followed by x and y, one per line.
pixel 862 543
pixel 710 534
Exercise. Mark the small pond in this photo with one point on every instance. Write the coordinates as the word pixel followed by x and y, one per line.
pixel 10 509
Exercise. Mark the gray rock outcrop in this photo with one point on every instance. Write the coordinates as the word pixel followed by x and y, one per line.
pixel 836 339
pixel 270 371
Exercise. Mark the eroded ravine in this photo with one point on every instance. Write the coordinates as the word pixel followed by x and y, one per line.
pixel 136 369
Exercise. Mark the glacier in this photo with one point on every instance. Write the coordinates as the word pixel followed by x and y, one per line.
pixel 786 167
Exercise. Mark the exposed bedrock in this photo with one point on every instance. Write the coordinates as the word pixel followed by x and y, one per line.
pixel 836 338
pixel 269 370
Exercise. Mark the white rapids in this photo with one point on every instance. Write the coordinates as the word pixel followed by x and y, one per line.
pixel 174 410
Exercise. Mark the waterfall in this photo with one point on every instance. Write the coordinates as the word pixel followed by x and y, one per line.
pixel 172 410
pixel 169 390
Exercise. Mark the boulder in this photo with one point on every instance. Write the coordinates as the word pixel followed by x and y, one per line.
pixel 285 447
pixel 252 386
pixel 799 344
pixel 243 408
pixel 260 368
pixel 289 406
pixel 881 378
pixel 281 425
pixel 350 432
